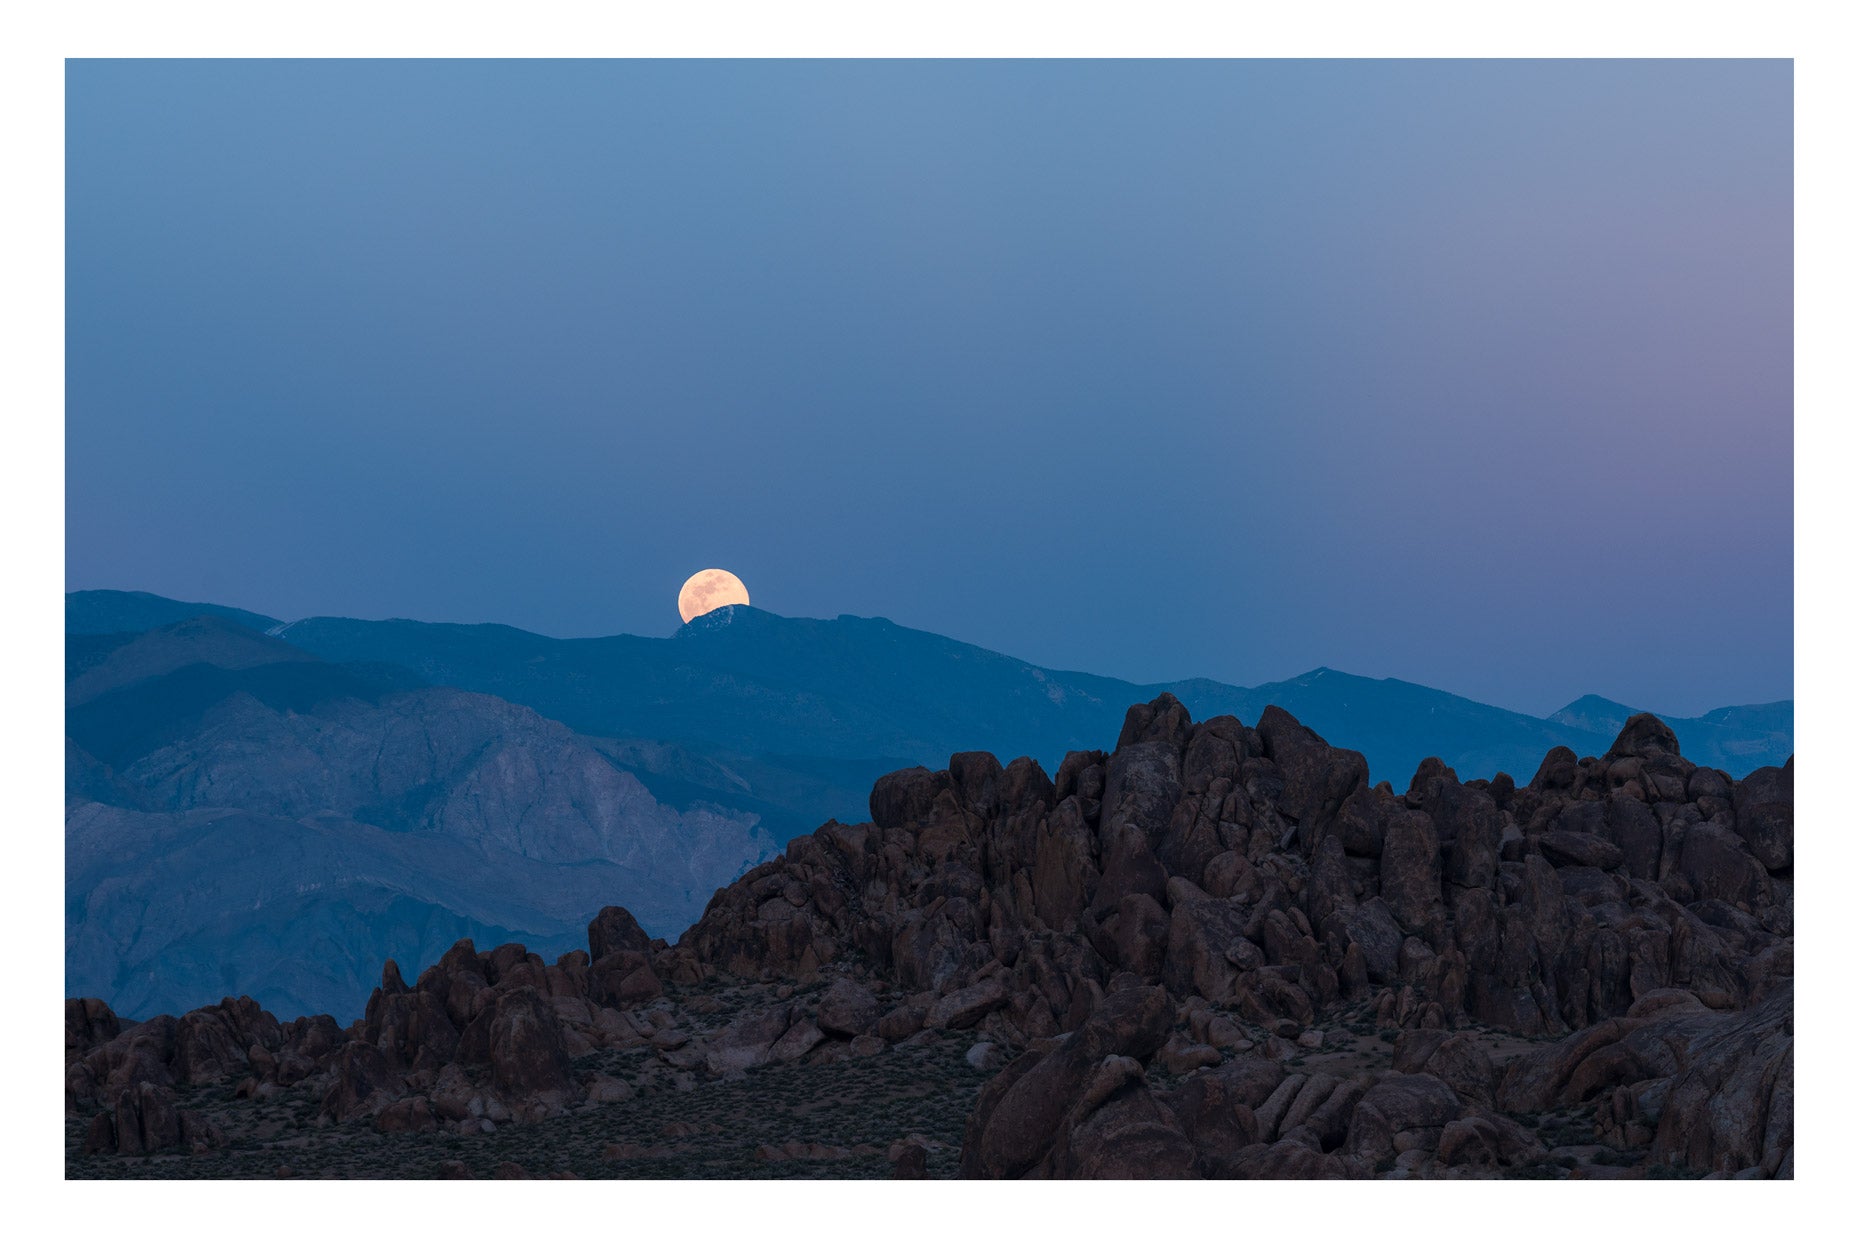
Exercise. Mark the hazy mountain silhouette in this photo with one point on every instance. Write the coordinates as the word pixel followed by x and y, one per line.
pixel 753 682
pixel 846 698
pixel 133 611
pixel 227 792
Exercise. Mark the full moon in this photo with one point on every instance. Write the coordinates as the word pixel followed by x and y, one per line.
pixel 707 591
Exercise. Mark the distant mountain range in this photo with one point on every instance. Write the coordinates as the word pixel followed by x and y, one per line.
pixel 134 611
pixel 243 817
pixel 396 783
pixel 868 693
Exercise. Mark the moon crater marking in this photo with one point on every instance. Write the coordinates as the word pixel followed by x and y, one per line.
pixel 709 589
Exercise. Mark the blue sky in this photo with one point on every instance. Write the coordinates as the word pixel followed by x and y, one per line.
pixel 1472 373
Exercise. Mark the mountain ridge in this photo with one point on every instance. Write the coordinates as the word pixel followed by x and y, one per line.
pixel 124 611
pixel 733 653
pixel 861 688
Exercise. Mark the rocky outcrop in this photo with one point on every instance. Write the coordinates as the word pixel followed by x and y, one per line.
pixel 1693 1087
pixel 850 1009
pixel 89 1023
pixel 140 1054
pixel 362 1082
pixel 614 930
pixel 1037 1103
pixel 1254 867
pixel 146 1119
pixel 1144 943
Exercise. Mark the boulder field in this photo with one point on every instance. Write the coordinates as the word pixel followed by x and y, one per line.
pixel 1215 951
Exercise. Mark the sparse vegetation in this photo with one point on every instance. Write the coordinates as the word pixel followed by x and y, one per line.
pixel 860 1106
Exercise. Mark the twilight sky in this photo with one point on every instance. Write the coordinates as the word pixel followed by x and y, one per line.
pixel 1476 374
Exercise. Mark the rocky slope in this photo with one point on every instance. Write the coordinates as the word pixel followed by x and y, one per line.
pixel 1214 951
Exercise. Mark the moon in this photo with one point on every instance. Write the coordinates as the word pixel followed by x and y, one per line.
pixel 707 590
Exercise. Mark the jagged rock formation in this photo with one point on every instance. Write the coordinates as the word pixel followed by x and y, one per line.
pixel 1255 867
pixel 1694 1086
pixel 1155 935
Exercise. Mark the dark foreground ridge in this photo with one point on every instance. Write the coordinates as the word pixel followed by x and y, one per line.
pixel 1216 951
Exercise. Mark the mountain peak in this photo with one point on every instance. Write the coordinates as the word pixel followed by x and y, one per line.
pixel 136 611
pixel 732 615
pixel 1594 713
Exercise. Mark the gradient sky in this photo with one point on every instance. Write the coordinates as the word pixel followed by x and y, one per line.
pixel 1476 374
